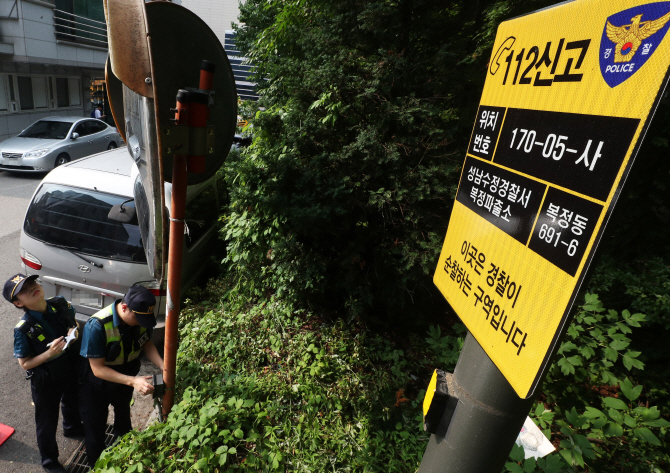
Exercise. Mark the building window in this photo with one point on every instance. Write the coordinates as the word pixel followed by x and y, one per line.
pixel 68 92
pixel 25 92
pixel 10 83
pixel 62 92
pixel 81 21
pixel 75 92
pixel 32 92
pixel 4 102
pixel 40 92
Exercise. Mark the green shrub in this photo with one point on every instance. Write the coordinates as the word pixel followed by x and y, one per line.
pixel 591 405
pixel 268 387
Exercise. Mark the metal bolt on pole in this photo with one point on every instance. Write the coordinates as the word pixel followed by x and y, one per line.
pixel 486 422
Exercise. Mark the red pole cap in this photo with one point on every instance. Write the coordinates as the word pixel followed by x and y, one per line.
pixel 207 70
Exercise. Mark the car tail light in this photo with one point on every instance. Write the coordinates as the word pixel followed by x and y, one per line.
pixel 153 286
pixel 30 260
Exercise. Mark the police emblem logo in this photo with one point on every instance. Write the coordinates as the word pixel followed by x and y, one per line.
pixel 17 279
pixel 630 38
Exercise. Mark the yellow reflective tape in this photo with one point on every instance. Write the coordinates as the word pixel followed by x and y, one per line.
pixel 430 392
pixel 41 338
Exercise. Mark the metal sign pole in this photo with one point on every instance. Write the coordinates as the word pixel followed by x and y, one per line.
pixel 485 423
pixel 177 214
pixel 191 118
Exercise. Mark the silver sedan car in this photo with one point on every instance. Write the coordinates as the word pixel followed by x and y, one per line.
pixel 53 141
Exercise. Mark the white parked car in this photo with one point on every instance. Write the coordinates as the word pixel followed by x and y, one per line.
pixel 81 251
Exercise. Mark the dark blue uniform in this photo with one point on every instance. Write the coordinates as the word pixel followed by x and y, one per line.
pixel 106 336
pixel 55 381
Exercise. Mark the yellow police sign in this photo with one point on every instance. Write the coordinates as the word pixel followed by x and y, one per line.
pixel 569 95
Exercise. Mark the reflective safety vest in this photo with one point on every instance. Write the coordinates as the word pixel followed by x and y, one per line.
pixel 119 349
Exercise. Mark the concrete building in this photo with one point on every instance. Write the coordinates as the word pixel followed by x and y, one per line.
pixel 50 53
pixel 218 14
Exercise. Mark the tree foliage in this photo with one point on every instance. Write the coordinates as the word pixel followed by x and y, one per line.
pixel 345 195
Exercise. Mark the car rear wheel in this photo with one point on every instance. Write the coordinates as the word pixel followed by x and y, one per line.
pixel 61 159
pixel 112 145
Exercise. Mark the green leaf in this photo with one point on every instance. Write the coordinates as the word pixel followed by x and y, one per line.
pixel 630 362
pixel 613 430
pixel 551 463
pixel 619 344
pixel 575 360
pixel 578 457
pixel 514 467
pixel 638 317
pixel 592 413
pixel 657 423
pixel 585 446
pixel 599 422
pixel 566 367
pixel 566 347
pixel 632 322
pixel 630 391
pixel 529 465
pixel 611 354
pixel 629 421
pixel 615 403
pixel 646 435
pixel 517 454
pixel 597 418
pixel 587 352
pixel 615 415
pixel 623 327
pixel 567 456
pixel 575 419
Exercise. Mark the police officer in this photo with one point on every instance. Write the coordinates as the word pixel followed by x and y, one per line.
pixel 39 344
pixel 112 341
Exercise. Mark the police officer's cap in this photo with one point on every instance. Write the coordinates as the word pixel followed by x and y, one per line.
pixel 142 302
pixel 14 285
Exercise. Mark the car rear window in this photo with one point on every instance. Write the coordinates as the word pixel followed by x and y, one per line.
pixel 77 218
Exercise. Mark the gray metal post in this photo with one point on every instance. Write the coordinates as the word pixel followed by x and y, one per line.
pixel 486 422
